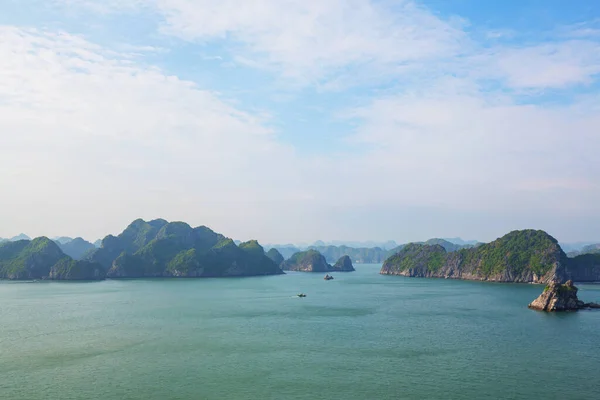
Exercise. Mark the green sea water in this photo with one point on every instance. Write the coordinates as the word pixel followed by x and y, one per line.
pixel 359 336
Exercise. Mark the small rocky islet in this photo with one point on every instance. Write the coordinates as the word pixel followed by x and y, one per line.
pixel 560 297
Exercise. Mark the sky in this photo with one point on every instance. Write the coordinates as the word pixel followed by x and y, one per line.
pixel 300 120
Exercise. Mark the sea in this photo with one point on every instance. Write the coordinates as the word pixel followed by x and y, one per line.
pixel 359 336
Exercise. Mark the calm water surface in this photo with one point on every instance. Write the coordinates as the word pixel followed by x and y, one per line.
pixel 360 336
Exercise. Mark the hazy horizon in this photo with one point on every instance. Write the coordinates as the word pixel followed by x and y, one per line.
pixel 298 121
pixel 301 244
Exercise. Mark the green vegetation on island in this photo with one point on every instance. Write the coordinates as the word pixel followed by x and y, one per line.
pixel 520 256
pixel 174 249
pixel 276 256
pixel 69 269
pixel 306 261
pixel 41 258
pixel 363 255
pixel 313 261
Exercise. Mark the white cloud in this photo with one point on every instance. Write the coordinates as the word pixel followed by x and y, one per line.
pixel 82 129
pixel 469 151
pixel 105 6
pixel 311 41
pixel 550 65
pixel 336 44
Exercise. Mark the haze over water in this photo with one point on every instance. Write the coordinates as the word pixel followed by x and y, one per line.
pixel 359 336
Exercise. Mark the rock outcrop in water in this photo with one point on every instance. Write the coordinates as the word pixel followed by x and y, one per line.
pixel 344 264
pixel 520 256
pixel 174 249
pixel 558 297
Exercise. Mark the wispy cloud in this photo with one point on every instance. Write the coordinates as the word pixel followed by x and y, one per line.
pixel 212 58
pixel 312 41
pixel 339 44
pixel 551 65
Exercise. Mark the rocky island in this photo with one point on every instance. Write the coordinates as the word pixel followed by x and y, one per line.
pixel 306 261
pixel 159 248
pixel 521 256
pixel 313 261
pixel 144 249
pixel 41 258
pixel 559 297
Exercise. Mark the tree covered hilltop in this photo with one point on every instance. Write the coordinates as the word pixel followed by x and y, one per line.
pixel 144 249
pixel 41 258
pixel 159 248
pixel 531 256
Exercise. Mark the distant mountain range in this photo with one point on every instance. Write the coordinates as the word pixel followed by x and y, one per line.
pixel 387 245
pixel 75 248
pixel 588 249
pixel 362 255
pixel 461 242
pixel 62 239
pixel 576 246
pixel 21 236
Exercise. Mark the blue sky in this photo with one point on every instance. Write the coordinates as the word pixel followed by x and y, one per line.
pixel 292 121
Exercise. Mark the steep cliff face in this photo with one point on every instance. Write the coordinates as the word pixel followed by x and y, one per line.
pixel 520 256
pixel 344 264
pixel 174 249
pixel 69 269
pixel 306 261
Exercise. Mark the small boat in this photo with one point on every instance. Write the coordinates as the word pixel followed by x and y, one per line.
pixel 328 277
pixel 301 295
